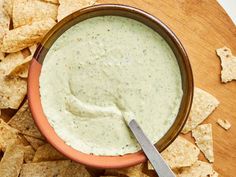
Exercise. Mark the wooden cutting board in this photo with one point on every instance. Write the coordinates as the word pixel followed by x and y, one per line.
pixel 202 26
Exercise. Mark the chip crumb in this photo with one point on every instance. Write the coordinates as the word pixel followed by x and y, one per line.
pixel 228 64
pixel 47 153
pixel 224 123
pixel 23 122
pixel 12 161
pixel 198 169
pixel 203 138
pixel 26 12
pixel 67 7
pixel 25 36
pixel 203 105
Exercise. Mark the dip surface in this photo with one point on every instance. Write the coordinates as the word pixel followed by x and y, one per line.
pixel 98 65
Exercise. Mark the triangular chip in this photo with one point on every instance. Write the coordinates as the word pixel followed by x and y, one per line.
pixel 203 138
pixel 75 170
pixel 135 171
pixel 44 169
pixel 198 169
pixel 23 122
pixel 10 62
pixel 47 153
pixel 203 105
pixel 181 153
pixel 8 135
pixel 25 36
pixel 26 12
pixel 228 64
pixel 34 142
pixel 12 160
pixel 224 124
pixel 67 7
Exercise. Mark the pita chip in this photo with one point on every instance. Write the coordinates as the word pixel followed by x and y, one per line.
pixel 34 142
pixel 26 12
pixel 228 64
pixel 224 124
pixel 25 36
pixel 23 122
pixel 44 169
pixel 203 105
pixel 198 169
pixel 67 7
pixel 8 135
pixel 12 161
pixel 52 1
pixel 203 138
pixel 4 17
pixel 181 153
pixel 47 153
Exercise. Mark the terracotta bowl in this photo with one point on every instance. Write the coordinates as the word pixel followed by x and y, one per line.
pixel 36 65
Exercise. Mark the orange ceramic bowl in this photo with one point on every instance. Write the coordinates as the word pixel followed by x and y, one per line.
pixel 34 94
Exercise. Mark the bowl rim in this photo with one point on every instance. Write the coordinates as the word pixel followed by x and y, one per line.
pixel 108 161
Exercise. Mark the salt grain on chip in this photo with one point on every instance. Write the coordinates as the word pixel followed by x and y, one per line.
pixel 203 105
pixel 224 124
pixel 26 12
pixel 12 161
pixel 25 36
pixel 228 63
pixel 203 138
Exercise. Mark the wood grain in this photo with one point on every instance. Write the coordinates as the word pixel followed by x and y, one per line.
pixel 202 26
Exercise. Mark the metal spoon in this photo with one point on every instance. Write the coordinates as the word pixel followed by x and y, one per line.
pixel 160 166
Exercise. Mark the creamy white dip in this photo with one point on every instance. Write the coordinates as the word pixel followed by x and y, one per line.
pixel 101 66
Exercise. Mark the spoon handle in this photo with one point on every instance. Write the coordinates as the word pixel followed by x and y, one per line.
pixel 160 166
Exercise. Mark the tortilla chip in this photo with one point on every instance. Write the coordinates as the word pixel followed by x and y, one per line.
pixel 26 12
pixel 12 92
pixel 228 64
pixel 28 153
pixel 25 36
pixel 135 171
pixel 199 169
pixel 47 153
pixel 12 160
pixel 203 138
pixel 23 122
pixel 67 7
pixel 44 169
pixel 224 124
pixel 181 153
pixel 203 105
pixel 8 135
pixel 7 6
pixel 4 17
pixel 34 142
pixel 75 170
pixel 10 62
